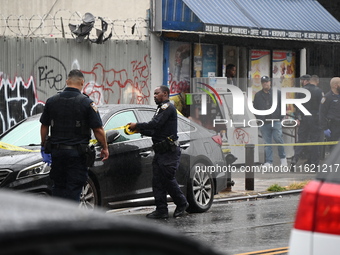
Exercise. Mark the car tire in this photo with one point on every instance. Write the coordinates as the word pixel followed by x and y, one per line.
pixel 88 196
pixel 200 189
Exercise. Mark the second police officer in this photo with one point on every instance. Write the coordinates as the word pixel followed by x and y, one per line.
pixel 309 128
pixel 163 130
pixel 330 111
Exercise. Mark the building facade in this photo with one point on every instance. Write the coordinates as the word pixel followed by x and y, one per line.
pixel 135 45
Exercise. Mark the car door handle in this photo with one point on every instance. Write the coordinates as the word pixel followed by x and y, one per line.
pixel 185 146
pixel 145 153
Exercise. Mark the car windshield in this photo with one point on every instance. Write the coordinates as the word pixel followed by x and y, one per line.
pixel 27 133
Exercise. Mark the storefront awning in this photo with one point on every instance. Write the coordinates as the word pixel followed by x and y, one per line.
pixel 285 19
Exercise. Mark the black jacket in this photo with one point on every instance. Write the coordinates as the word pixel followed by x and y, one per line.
pixel 313 104
pixel 264 101
pixel 70 115
pixel 162 125
pixel 329 109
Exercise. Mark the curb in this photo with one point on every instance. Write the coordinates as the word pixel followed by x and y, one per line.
pixel 257 196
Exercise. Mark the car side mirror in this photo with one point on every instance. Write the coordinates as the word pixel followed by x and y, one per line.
pixel 112 135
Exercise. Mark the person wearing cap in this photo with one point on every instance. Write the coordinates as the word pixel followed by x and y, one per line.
pixel 329 114
pixel 271 128
pixel 309 127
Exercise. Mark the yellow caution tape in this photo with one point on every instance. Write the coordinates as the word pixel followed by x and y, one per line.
pixel 290 144
pixel 282 250
pixel 226 150
pixel 10 147
pixel 126 131
pixel 7 146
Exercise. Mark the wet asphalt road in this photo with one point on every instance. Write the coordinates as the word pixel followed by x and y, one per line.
pixel 235 227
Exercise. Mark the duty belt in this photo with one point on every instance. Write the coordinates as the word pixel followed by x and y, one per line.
pixel 165 145
pixel 64 147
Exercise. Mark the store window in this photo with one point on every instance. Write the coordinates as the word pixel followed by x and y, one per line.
pixel 259 66
pixel 185 61
pixel 284 66
pixel 205 60
pixel 280 65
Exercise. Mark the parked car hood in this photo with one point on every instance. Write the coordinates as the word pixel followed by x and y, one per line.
pixel 18 159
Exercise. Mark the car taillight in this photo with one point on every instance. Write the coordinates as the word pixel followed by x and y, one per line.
pixel 217 139
pixel 328 209
pixel 306 211
pixel 319 208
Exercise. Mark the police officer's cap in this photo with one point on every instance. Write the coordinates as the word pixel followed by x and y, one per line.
pixel 265 79
pixel 305 77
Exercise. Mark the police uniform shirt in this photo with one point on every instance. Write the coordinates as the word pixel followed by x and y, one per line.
pixel 314 103
pixel 162 125
pixel 329 109
pixel 87 109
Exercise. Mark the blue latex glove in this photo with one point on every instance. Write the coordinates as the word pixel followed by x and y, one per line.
pixel 47 158
pixel 327 133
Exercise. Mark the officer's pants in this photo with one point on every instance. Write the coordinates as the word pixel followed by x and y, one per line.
pixel 309 129
pixel 335 130
pixel 164 181
pixel 68 173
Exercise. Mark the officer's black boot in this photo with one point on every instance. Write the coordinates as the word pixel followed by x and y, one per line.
pixel 157 215
pixel 180 210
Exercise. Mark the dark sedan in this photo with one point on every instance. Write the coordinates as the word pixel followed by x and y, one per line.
pixel 125 178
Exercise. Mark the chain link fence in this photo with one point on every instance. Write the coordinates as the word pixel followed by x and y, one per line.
pixel 57 26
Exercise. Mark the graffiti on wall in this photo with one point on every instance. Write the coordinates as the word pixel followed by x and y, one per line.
pixel 51 74
pixel 118 86
pixel 18 101
pixel 241 136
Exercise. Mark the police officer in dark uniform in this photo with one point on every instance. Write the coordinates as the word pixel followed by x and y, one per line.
pixel 330 111
pixel 71 115
pixel 309 128
pixel 163 130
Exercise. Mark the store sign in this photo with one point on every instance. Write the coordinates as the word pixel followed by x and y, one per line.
pixel 271 33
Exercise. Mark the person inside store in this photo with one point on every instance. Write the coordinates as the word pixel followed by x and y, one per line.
pixel 163 130
pixel 230 74
pixel 270 130
pixel 309 125
pixel 329 114
pixel 70 115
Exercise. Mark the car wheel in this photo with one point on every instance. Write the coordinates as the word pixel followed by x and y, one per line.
pixel 200 193
pixel 88 196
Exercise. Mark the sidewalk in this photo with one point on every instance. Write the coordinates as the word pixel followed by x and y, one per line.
pixel 262 182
